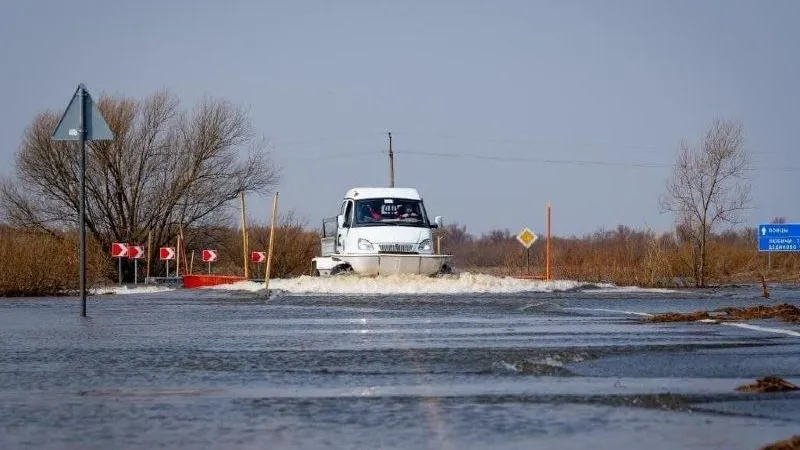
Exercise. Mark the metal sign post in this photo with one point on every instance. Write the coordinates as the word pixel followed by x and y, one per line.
pixel 135 252
pixel 80 122
pixel 209 256
pixel 119 250
pixel 526 237
pixel 258 258
pixel 527 260
pixel 166 254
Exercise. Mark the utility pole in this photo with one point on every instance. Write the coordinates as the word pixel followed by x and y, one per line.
pixel 391 162
pixel 547 275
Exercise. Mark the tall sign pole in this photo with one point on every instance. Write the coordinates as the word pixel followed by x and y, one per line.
pixel 82 239
pixel 80 122
pixel 526 237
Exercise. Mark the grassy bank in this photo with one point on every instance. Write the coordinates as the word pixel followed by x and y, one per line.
pixel 36 264
pixel 45 264
pixel 623 256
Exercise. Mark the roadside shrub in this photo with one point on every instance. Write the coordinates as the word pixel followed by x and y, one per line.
pixel 40 264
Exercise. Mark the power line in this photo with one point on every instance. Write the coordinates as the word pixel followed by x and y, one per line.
pixel 342 155
pixel 500 158
pixel 532 142
pixel 537 160
pixel 520 159
pixel 570 161
pixel 527 143
pixel 351 138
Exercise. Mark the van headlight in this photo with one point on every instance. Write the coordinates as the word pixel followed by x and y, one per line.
pixel 425 245
pixel 364 244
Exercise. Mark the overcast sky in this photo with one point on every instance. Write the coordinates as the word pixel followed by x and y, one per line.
pixel 496 107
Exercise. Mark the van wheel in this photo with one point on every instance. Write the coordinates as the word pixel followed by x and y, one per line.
pixel 446 270
pixel 341 269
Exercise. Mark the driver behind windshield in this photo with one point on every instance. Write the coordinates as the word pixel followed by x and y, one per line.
pixel 367 213
pixel 405 212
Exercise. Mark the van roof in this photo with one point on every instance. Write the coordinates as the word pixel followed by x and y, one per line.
pixel 372 192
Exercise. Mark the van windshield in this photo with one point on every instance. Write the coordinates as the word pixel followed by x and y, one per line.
pixel 390 211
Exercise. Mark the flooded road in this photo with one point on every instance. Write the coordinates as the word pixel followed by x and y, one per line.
pixel 228 369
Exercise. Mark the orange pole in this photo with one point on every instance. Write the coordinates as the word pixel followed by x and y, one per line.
pixel 547 246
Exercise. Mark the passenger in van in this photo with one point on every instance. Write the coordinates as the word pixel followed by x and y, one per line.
pixel 368 214
pixel 405 212
pixel 375 212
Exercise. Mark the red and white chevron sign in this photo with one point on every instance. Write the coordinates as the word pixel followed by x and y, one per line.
pixel 258 257
pixel 166 253
pixel 119 250
pixel 209 255
pixel 135 252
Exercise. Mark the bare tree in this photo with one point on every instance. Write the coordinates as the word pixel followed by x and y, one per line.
pixel 709 187
pixel 165 168
pixel 779 219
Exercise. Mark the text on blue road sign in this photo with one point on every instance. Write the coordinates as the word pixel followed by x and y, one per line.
pixel 779 229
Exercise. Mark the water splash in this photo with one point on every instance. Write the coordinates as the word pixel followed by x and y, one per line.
pixel 142 289
pixel 464 283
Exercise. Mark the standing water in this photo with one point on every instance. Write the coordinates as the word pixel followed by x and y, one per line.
pixel 467 362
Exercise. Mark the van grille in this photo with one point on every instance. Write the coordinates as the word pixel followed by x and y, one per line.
pixel 396 248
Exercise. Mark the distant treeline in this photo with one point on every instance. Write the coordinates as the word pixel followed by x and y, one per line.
pixel 36 263
pixel 623 256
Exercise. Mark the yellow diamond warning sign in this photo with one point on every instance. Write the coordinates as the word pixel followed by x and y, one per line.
pixel 527 237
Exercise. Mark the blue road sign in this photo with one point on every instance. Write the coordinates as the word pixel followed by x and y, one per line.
pixel 779 237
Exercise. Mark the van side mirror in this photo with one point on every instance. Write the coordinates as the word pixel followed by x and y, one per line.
pixel 437 222
pixel 340 220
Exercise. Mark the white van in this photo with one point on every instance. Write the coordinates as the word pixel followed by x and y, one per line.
pixel 380 231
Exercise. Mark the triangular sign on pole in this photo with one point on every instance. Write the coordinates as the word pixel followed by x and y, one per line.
pixel 82 121
pixel 96 128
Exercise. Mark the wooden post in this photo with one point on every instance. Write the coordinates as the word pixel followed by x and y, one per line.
pixel 182 251
pixel 271 244
pixel 244 239
pixel 191 264
pixel 149 253
pixel 178 257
